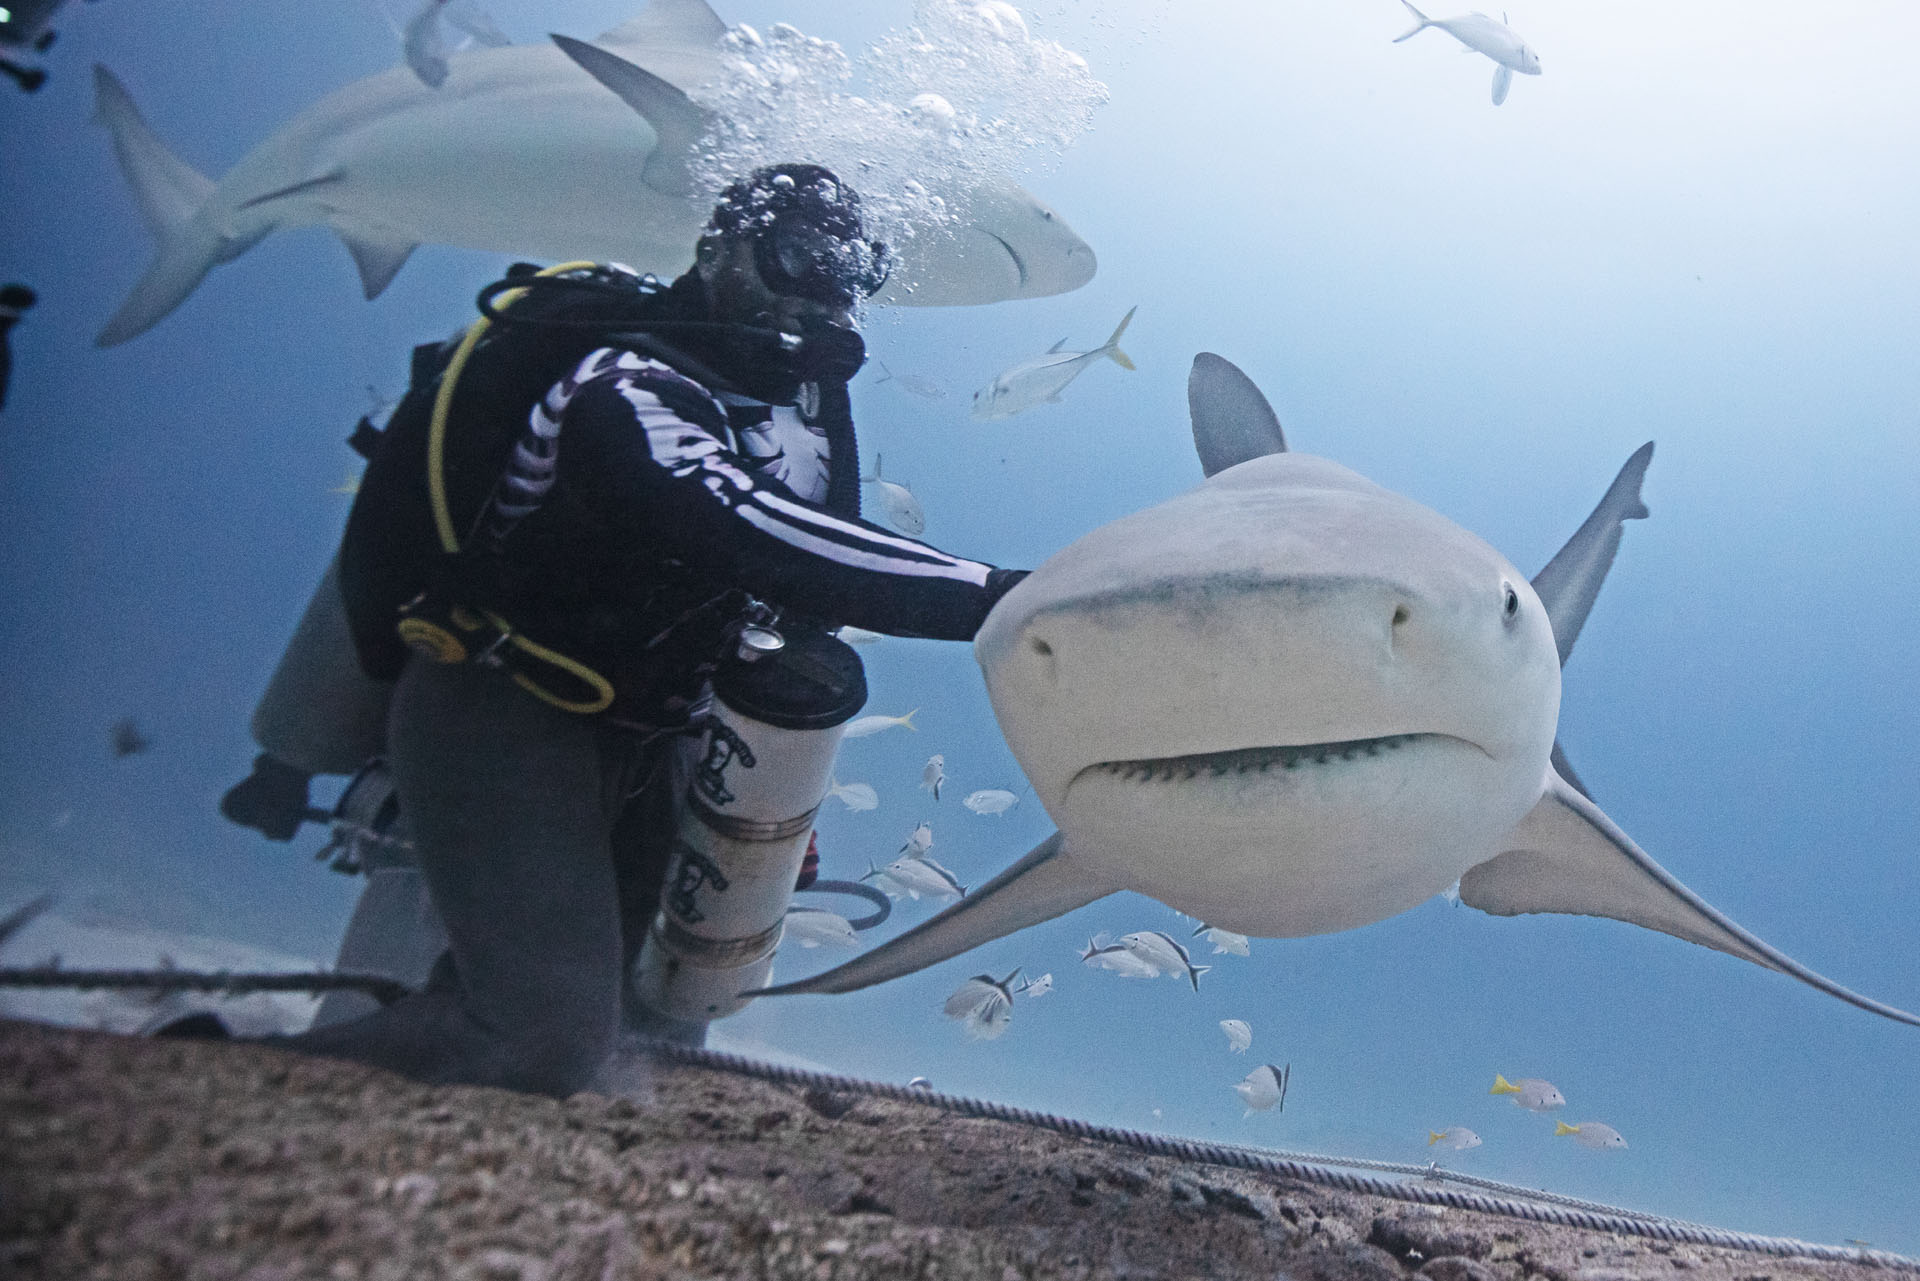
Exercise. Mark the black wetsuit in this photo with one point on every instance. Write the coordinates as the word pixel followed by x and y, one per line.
pixel 636 507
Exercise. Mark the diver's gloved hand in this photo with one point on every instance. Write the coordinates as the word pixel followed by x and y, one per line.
pixel 1002 581
pixel 272 800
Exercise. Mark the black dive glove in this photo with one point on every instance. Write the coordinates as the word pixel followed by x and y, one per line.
pixel 272 800
pixel 1002 581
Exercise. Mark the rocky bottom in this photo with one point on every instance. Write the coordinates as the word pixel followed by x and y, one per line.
pixel 130 1160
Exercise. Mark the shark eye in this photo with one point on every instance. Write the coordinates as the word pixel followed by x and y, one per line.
pixel 1512 604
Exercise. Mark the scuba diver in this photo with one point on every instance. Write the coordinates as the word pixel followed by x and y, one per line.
pixel 14 302
pixel 612 495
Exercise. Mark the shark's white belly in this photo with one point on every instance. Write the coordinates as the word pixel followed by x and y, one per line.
pixel 1280 844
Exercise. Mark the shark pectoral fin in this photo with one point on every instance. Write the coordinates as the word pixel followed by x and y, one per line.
pixel 684 24
pixel 1041 886
pixel 1564 768
pixel 677 121
pixel 378 258
pixel 1502 81
pixel 1232 421
pixel 1568 856
pixel 1572 579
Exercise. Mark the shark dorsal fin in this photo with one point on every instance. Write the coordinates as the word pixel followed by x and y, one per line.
pixel 1232 421
pixel 1572 579
pixel 1056 347
pixel 676 118
pixel 686 24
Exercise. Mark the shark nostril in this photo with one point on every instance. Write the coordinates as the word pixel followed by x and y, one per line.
pixel 1400 615
pixel 1040 647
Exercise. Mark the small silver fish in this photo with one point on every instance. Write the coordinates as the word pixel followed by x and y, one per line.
pixel 1457 1137
pixel 856 796
pixel 983 1004
pixel 1041 379
pixel 1102 955
pixel 1165 954
pixel 934 775
pixel 991 800
pixel 1038 987
pixel 1482 34
pixel 902 508
pixel 874 724
pixel 1592 1134
pixel 1224 940
pixel 1265 1088
pixel 920 844
pixel 1529 1092
pixel 1239 1034
pixel 914 384
pixel 923 878
pixel 815 926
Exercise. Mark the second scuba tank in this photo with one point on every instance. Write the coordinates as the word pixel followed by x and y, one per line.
pixel 780 707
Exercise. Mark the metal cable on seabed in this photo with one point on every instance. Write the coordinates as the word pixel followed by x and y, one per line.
pixel 1538 1207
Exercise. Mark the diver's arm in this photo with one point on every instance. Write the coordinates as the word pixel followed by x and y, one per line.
pixel 659 459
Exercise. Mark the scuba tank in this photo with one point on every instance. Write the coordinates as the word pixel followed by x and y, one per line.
pixel 781 704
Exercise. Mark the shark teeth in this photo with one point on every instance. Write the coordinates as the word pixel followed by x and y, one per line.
pixel 1252 760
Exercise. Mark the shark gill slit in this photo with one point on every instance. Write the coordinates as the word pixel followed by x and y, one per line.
pixel 1251 760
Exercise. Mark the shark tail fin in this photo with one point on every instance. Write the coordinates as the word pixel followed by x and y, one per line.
pixel 1421 23
pixel 170 193
pixel 1112 346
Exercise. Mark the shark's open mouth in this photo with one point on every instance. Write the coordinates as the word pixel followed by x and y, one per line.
pixel 1258 760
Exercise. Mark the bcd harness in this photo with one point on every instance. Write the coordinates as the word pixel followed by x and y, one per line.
pixel 433 595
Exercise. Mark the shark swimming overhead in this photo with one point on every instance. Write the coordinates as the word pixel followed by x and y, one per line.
pixel 520 151
pixel 1331 700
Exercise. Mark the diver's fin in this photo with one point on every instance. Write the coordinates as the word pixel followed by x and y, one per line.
pixel 1571 580
pixel 1568 856
pixel 169 192
pixel 1502 81
pixel 1232 421
pixel 378 259
pixel 685 24
pixel 677 120
pixel 1038 888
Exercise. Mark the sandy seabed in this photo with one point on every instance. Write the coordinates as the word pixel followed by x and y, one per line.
pixel 125 1159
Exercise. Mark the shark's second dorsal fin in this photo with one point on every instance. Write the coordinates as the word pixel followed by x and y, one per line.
pixel 1041 886
pixel 1568 856
pixel 677 120
pixel 1232 421
pixel 1572 579
pixel 684 24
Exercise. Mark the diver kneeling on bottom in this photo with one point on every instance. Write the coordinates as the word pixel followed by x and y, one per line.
pixel 611 499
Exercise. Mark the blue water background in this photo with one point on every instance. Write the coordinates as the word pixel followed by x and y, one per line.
pixel 1696 227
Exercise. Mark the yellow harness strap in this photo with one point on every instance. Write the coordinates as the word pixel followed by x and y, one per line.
pixel 450 540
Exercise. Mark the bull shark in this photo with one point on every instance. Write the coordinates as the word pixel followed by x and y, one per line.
pixel 519 151
pixel 1336 704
